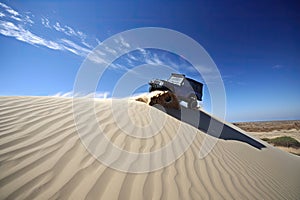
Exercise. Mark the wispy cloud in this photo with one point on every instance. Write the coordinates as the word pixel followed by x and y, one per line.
pixel 153 59
pixel 28 20
pixel 68 31
pixel 9 9
pixel 7 12
pixel 87 45
pixel 58 27
pixel 80 51
pixel 98 41
pixel 122 42
pixel 11 30
pixel 98 56
pixel 16 18
pixel 46 22
pixel 18 25
pixel 59 36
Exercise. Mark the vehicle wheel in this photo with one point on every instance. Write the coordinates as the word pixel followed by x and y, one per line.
pixel 192 103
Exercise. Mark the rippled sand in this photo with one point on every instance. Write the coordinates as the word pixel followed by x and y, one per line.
pixel 42 157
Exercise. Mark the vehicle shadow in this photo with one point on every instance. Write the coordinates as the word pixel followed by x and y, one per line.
pixel 211 126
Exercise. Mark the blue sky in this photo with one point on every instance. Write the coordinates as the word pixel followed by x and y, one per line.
pixel 254 44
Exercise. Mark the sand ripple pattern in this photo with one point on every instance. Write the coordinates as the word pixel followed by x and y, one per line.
pixel 42 157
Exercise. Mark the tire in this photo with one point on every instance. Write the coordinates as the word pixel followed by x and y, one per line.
pixel 164 99
pixel 192 103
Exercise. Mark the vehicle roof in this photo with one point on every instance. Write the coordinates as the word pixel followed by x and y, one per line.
pixel 189 79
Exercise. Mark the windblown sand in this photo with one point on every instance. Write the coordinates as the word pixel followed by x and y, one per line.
pixel 42 157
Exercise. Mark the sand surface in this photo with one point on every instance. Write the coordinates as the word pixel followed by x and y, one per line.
pixel 42 157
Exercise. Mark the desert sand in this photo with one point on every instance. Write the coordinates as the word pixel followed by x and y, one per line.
pixel 274 129
pixel 271 129
pixel 43 157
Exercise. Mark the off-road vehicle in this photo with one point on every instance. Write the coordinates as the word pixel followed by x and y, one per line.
pixel 185 89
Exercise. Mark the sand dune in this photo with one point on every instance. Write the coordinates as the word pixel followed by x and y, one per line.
pixel 43 157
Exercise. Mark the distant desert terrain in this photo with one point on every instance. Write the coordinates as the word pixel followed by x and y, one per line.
pixel 42 155
pixel 273 129
pixel 269 126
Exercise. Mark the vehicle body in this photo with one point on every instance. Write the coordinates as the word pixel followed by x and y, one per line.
pixel 185 89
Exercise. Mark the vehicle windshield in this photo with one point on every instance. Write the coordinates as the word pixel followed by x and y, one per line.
pixel 176 80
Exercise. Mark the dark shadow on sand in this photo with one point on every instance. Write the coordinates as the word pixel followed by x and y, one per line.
pixel 211 126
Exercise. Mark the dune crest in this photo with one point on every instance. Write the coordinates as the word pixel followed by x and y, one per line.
pixel 166 99
pixel 42 157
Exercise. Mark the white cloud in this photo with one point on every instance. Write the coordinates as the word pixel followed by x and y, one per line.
pixel 153 59
pixel 100 57
pixel 143 51
pixel 124 43
pixel 97 57
pixel 58 27
pixel 16 18
pixel 9 9
pixel 81 51
pixel 98 41
pixel 46 22
pixel 18 25
pixel 119 67
pixel 13 14
pixel 65 29
pixel 70 31
pixel 15 26
pixel 87 45
pixel 129 61
pixel 74 51
pixel 81 35
pixel 27 19
pixel 99 52
pixel 11 30
pixel 110 50
pixel 132 57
